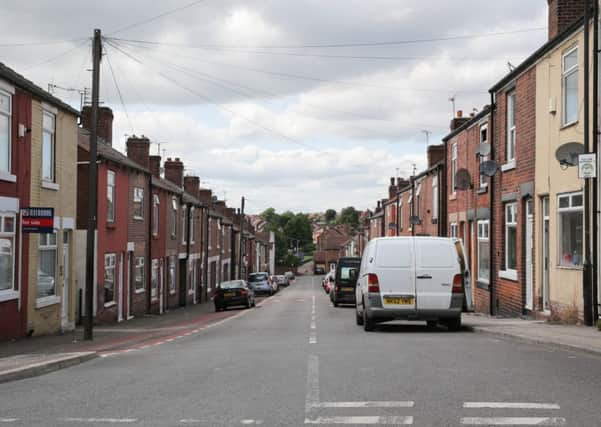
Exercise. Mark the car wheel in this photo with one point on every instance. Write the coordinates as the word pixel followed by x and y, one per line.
pixel 253 304
pixel 247 305
pixel 431 324
pixel 453 325
pixel 368 324
pixel 334 302
pixel 217 307
pixel 358 318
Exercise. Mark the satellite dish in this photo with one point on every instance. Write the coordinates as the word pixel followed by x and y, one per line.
pixel 489 168
pixel 463 180
pixel 567 154
pixel 484 149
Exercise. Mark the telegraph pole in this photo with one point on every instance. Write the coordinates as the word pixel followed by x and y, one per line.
pixel 92 187
pixel 241 235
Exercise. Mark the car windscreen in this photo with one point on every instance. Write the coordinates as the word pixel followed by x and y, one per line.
pixel 257 277
pixel 231 285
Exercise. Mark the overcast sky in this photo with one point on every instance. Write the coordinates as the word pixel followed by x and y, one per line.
pixel 239 90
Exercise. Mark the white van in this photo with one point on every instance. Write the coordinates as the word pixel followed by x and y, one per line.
pixel 413 278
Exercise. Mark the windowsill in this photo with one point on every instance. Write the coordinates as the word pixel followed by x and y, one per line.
pixel 154 300
pixel 155 236
pixel 9 295
pixel 568 125
pixel 9 177
pixel 111 225
pixel 570 267
pixel 482 284
pixel 110 304
pixel 140 291
pixel 508 166
pixel 171 292
pixel 509 275
pixel 47 301
pixel 483 190
pixel 50 185
pixel 453 196
pixel 138 218
pixel 191 292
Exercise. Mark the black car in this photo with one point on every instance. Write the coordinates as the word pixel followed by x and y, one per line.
pixel 235 292
pixel 343 291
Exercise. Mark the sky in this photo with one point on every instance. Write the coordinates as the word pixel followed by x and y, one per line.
pixel 300 105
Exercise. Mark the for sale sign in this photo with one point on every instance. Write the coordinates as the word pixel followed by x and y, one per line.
pixel 37 220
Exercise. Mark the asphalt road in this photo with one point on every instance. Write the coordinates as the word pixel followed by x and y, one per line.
pixel 297 360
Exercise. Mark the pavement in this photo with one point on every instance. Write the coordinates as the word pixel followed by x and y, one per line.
pixel 296 360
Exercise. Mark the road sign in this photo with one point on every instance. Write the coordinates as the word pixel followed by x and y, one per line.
pixel 587 166
pixel 37 220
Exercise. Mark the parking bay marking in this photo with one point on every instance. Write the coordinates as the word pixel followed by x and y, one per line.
pixel 510 421
pixel 510 405
pixel 370 419
pixel 383 404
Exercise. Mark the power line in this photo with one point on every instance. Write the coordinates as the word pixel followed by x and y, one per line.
pixel 54 58
pixel 156 17
pixel 346 45
pixel 119 93
pixel 41 43
pixel 211 101
pixel 310 78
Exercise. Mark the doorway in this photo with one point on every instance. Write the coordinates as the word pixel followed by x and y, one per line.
pixel 545 255
pixel 130 267
pixel 529 249
pixel 66 281
pixel 183 289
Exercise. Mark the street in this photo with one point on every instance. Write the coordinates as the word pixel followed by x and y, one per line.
pixel 297 360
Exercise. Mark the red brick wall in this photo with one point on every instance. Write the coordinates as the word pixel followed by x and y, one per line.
pixel 509 294
pixel 562 13
pixel 137 232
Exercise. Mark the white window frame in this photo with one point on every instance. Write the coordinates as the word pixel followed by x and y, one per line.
pixel 483 178
pixel 184 223
pixel 154 280
pixel 140 261
pixel 435 197
pixel 8 114
pixel 110 261
pixel 400 214
pixel 51 130
pixel 138 200
pixel 571 208
pixel 173 218
pixel 10 292
pixel 156 201
pixel 172 278
pixel 111 193
pixel 483 237
pixel 192 241
pixel 510 124
pixel 510 221
pixel 453 167
pixel 565 74
pixel 418 201
pixel 210 239
pixel 454 230
pixel 43 245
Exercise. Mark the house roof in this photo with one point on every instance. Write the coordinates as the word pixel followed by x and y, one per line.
pixel 542 51
pixel 27 85
pixel 107 152
pixel 485 111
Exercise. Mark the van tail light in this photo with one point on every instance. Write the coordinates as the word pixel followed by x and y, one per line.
pixel 244 292
pixel 372 283
pixel 337 288
pixel 458 284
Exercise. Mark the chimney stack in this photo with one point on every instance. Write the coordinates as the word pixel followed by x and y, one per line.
pixel 392 188
pixel 458 121
pixel 174 171
pixel 435 154
pixel 192 185
pixel 105 122
pixel 563 13
pixel 401 183
pixel 155 166
pixel 138 149
pixel 205 195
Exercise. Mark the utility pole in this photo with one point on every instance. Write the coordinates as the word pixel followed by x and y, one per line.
pixel 92 187
pixel 241 238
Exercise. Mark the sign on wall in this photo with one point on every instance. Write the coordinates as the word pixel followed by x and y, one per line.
pixel 587 166
pixel 37 220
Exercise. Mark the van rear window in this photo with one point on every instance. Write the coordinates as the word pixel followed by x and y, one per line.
pixel 394 254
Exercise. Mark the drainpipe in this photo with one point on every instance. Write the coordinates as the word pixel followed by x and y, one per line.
pixel 491 207
pixel 586 276
pixel 596 151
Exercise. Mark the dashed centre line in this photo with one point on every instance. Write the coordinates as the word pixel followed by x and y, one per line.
pixel 369 419
pixel 100 420
pixel 510 405
pixel 513 421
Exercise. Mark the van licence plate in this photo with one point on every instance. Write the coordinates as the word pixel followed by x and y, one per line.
pixel 347 289
pixel 398 300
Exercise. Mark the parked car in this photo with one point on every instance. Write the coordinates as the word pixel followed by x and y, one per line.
pixel 412 278
pixel 344 289
pixel 319 270
pixel 329 281
pixel 260 283
pixel 290 275
pixel 232 293
pixel 281 280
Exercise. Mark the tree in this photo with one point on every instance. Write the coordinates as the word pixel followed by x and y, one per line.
pixel 350 216
pixel 330 215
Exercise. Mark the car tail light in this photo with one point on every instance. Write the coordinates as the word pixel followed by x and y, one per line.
pixel 337 288
pixel 244 292
pixel 372 283
pixel 458 284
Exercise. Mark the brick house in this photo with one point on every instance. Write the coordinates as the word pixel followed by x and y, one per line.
pixel 328 247
pixel 214 248
pixel 38 134
pixel 376 222
pixel 194 237
pixel 468 210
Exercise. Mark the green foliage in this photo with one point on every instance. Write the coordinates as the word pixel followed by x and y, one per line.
pixel 290 230
pixel 291 260
pixel 350 216
pixel 330 215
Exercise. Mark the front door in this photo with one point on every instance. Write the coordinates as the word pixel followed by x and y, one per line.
pixel 121 290
pixel 66 279
pixel 545 255
pixel 529 249
pixel 161 286
pixel 130 269
pixel 183 288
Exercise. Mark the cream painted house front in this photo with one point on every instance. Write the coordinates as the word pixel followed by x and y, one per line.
pixel 52 287
pixel 558 208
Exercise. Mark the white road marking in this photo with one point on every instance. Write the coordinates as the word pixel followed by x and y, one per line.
pixel 510 405
pixel 8 420
pixel 312 397
pixel 513 421
pixel 251 422
pixel 190 421
pixel 383 404
pixel 396 420
pixel 100 420
pixel 312 325
pixel 312 338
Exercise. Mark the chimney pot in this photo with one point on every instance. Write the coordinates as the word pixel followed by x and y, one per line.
pixel 459 114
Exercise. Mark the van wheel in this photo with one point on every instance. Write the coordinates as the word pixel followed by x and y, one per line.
pixel 358 318
pixel 453 325
pixel 432 324
pixel 368 324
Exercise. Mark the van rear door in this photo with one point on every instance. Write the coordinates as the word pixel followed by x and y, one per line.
pixel 436 265
pixel 468 301
pixel 395 270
